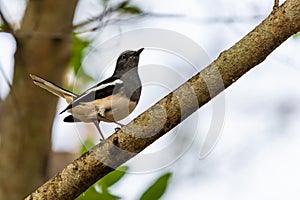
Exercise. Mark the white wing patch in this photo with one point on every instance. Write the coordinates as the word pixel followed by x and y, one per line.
pixel 103 86
pixel 100 87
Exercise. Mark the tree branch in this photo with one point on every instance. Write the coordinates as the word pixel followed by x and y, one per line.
pixel 175 107
pixel 206 20
pixel 276 5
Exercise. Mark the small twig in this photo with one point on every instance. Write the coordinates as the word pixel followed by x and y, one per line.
pixel 105 23
pixel 106 11
pixel 276 5
pixel 91 20
pixel 219 19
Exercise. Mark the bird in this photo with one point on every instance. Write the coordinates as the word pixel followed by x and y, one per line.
pixel 111 100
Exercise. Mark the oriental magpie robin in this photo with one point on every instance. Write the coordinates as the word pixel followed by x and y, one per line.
pixel 110 100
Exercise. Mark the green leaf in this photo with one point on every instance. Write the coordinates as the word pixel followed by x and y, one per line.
pixel 95 194
pixel 77 49
pixel 87 144
pixel 126 8
pixel 108 196
pixel 112 178
pixel 3 26
pixel 92 194
pixel 77 54
pixel 84 77
pixel 104 2
pixel 123 4
pixel 296 35
pixel 157 189
pixel 134 10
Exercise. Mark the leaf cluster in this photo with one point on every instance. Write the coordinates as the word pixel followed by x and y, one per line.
pixel 102 188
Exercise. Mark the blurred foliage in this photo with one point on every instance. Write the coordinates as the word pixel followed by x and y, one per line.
pixel 296 35
pixel 78 46
pixel 77 54
pixel 112 178
pixel 101 189
pixel 157 189
pixel 93 194
pixel 2 25
pixel 125 7
pixel 87 144
pixel 104 2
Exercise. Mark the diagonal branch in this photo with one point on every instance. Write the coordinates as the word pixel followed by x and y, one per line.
pixel 172 109
pixel 276 5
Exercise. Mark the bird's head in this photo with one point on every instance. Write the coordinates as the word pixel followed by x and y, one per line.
pixel 128 60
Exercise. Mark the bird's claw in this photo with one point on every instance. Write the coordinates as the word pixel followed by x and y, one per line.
pixel 117 129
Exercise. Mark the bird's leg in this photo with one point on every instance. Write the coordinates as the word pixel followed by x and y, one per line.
pixel 102 116
pixel 118 128
pixel 96 123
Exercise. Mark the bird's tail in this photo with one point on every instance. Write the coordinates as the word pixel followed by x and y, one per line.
pixel 54 89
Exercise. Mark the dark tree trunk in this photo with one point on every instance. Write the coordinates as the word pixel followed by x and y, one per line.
pixel 43 48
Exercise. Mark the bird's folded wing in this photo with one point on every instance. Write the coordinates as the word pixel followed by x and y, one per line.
pixel 104 89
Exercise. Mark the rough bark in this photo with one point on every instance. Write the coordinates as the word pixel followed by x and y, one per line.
pixel 142 131
pixel 26 115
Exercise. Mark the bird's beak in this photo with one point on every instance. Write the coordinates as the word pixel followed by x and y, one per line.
pixel 138 52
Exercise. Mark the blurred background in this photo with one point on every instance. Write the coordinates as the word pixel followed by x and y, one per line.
pixel 254 153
